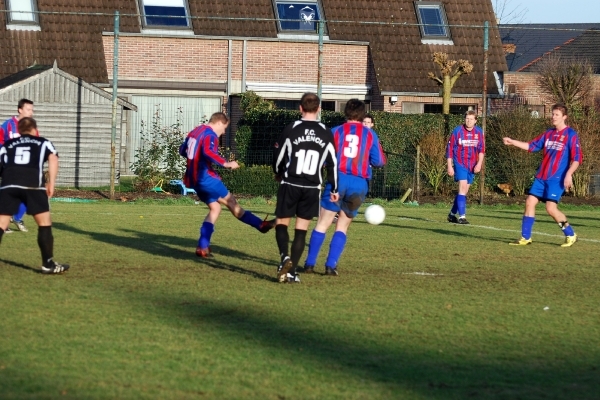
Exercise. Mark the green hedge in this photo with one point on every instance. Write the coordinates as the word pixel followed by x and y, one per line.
pixel 399 135
pixel 255 180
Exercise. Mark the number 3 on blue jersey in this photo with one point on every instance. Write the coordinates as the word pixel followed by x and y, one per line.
pixel 351 150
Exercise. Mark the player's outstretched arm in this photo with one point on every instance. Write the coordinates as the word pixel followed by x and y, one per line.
pixel 517 143
pixel 52 173
pixel 231 165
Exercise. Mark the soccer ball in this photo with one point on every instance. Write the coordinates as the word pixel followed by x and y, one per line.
pixel 374 214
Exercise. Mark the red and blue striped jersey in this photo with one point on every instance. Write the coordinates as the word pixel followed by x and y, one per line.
pixel 561 148
pixel 9 130
pixel 465 146
pixel 357 147
pixel 201 149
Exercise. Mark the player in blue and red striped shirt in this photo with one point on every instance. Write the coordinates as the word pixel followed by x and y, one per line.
pixel 357 148
pixel 10 130
pixel 561 158
pixel 464 152
pixel 201 149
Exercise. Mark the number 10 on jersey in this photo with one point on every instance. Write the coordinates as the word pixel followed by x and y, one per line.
pixel 307 162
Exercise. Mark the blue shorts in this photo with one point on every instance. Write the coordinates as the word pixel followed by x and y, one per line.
pixel 210 190
pixel 550 190
pixel 353 191
pixel 463 174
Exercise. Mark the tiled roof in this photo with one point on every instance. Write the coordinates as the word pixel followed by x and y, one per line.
pixel 584 47
pixel 74 40
pixel 400 60
pixel 532 41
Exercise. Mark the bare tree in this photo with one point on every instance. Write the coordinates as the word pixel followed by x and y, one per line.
pixel 450 70
pixel 508 13
pixel 566 80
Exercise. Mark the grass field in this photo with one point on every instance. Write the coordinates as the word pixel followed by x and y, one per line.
pixel 422 309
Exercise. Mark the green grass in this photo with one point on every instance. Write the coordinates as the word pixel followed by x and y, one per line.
pixel 139 316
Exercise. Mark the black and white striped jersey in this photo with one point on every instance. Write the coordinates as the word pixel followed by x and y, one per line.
pixel 302 150
pixel 22 162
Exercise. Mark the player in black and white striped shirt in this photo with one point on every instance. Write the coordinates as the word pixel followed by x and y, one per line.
pixel 304 147
pixel 22 168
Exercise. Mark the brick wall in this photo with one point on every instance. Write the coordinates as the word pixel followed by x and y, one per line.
pixel 527 92
pixel 205 60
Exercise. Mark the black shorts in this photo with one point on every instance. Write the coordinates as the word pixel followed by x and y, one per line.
pixel 36 201
pixel 296 201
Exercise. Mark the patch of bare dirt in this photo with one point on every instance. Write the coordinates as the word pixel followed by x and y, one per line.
pixel 119 196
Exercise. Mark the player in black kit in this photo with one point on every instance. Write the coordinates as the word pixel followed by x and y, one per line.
pixel 21 166
pixel 302 150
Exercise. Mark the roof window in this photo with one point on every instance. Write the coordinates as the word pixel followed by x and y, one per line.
pixel 297 16
pixel 22 12
pixel 165 14
pixel 432 18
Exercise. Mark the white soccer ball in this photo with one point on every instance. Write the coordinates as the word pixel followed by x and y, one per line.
pixel 374 214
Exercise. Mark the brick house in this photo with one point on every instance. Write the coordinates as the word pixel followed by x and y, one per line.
pixel 529 45
pixel 198 55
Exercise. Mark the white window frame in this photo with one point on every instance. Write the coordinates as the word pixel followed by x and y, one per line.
pixel 13 16
pixel 317 4
pixel 436 5
pixel 145 24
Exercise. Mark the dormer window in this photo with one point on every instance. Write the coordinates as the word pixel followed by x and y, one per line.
pixel 22 12
pixel 297 16
pixel 165 14
pixel 432 18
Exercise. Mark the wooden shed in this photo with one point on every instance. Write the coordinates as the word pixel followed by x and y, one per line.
pixel 75 115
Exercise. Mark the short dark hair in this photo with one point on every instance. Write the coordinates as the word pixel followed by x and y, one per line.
pixel 561 107
pixel 26 126
pixel 219 117
pixel 310 102
pixel 22 103
pixel 369 116
pixel 355 110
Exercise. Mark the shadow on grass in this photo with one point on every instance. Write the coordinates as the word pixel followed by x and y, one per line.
pixel 163 245
pixel 396 368
pixel 457 232
pixel 19 265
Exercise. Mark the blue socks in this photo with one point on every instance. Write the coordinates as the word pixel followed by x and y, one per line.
pixel 527 227
pixel 19 215
pixel 338 242
pixel 314 246
pixel 461 204
pixel 251 219
pixel 454 209
pixel 206 231
pixel 566 228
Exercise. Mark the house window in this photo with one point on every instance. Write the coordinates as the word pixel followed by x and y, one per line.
pixel 297 16
pixel 537 111
pixel 432 18
pixel 165 13
pixel 295 104
pixel 22 11
pixel 457 109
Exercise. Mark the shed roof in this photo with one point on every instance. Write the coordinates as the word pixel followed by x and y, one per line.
pixel 38 71
pixel 400 60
